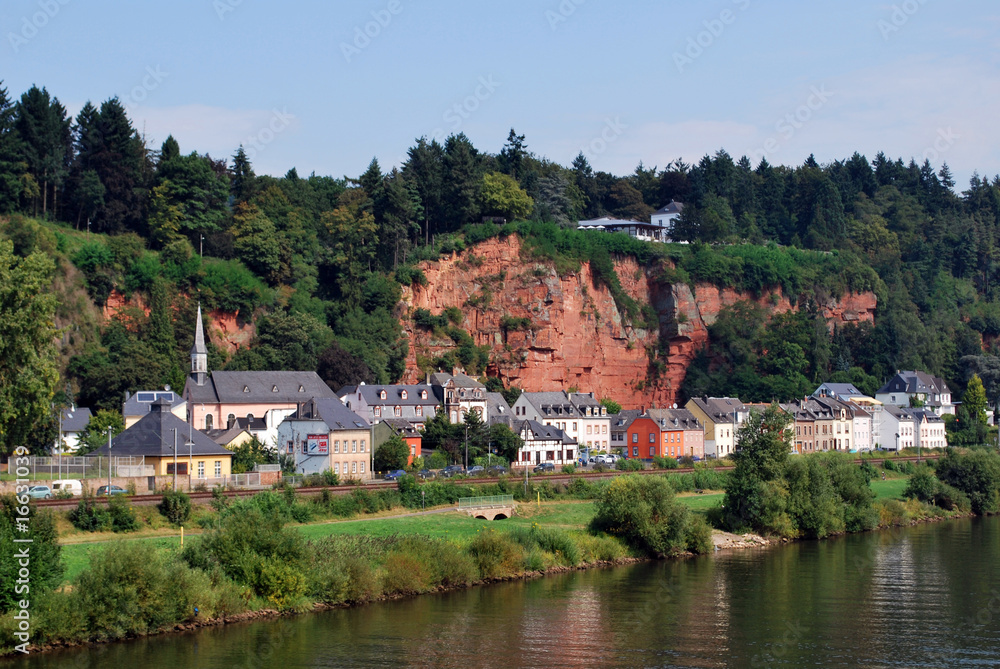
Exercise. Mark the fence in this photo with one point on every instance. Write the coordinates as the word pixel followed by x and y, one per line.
pixel 485 502
pixel 250 480
pixel 75 467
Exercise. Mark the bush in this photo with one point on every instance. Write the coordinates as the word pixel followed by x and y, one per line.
pixel 495 554
pixel 175 507
pixel 624 465
pixel 665 463
pixel 89 516
pixel 569 469
pixel 122 514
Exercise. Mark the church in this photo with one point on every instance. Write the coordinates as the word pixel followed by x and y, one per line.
pixel 261 399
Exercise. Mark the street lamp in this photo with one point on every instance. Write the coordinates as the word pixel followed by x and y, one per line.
pixel 175 458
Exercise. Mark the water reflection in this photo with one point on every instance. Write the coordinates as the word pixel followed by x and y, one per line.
pixel 917 597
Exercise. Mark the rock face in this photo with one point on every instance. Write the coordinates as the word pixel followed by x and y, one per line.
pixel 577 336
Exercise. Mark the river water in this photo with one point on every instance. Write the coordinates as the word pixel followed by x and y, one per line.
pixel 927 596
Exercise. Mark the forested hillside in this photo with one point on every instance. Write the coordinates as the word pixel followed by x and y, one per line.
pixel 317 262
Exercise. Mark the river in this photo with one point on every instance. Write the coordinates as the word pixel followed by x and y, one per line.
pixel 926 596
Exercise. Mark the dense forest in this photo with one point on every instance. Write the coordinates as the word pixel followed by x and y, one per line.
pixel 317 262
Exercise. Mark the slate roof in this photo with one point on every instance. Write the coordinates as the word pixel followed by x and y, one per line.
pixel 153 436
pixel 914 382
pixel 498 409
pixel 75 419
pixel 553 404
pixel 138 403
pixel 460 380
pixel 621 421
pixel 259 387
pixel 927 415
pixel 402 427
pixel 225 435
pixel 545 432
pixel 900 413
pixel 839 390
pixel 720 409
pixel 331 411
pixel 394 395
pixel 675 419
pixel 672 208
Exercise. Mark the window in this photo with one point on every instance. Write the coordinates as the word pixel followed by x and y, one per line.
pixel 550 455
pixel 378 412
pixel 635 451
pixel 589 429
pixel 423 394
pixel 574 427
pixel 250 417
pixel 336 446
pixel 413 450
pixel 218 469
pixel 569 454
pixel 382 395
pixel 604 429
pixel 182 468
pixel 402 395
pixel 208 421
pixel 201 469
pixel 651 451
pixel 354 446
pixel 354 467
pixel 362 445
pixel 362 468
pixel 635 437
pixel 398 411
pixel 652 437
pixel 420 410
pixel 336 467
pixel 230 420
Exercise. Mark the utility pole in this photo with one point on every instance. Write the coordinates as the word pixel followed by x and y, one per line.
pixel 175 458
pixel 109 461
pixel 466 444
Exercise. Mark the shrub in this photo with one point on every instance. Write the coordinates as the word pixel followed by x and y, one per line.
pixel 665 463
pixel 569 469
pixel 403 574
pixel 330 478
pixel 175 507
pixel 123 518
pixel 922 486
pixel 89 516
pixel 495 554
pixel 629 465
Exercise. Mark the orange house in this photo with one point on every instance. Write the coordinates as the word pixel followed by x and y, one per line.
pixel 405 429
pixel 665 433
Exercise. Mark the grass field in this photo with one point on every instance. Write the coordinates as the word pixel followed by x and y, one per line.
pixel 890 488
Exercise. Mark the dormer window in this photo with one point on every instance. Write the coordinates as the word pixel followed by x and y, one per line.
pixel 398 411
pixel 246 389
pixel 382 395
pixel 423 394
pixel 274 389
pixel 302 389
pixel 403 395
pixel 378 412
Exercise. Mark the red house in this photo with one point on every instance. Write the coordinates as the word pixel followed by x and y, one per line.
pixel 665 433
pixel 405 429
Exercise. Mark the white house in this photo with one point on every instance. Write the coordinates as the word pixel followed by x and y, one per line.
pixel 930 429
pixel 72 421
pixel 544 443
pixel 579 415
pixel 909 387
pixel 898 428
pixel 666 218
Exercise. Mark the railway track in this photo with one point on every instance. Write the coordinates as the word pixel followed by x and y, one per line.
pixel 205 497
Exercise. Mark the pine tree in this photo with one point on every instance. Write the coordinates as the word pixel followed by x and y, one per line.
pixel 242 179
pixel 12 167
pixel 45 133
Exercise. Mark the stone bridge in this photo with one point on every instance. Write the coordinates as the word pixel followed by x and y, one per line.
pixel 496 507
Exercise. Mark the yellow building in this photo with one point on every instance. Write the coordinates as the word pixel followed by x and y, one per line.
pixel 160 439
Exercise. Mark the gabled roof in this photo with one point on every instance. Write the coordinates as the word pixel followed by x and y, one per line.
pixel 372 395
pixel 331 411
pixel 155 435
pixel 914 382
pixel 552 404
pixel 138 403
pixel 259 387
pixel 75 419
pixel 541 432
pixel 675 419
pixel 672 208
pixel 899 413
pixel 622 420
pixel 458 380
pixel 926 415
pixel 719 409
pixel 403 427
pixel 839 390
pixel 226 436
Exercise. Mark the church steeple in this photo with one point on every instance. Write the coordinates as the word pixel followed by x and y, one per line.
pixel 199 353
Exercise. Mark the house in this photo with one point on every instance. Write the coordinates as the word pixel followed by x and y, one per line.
pixel 898 429
pixel 580 415
pixel 646 232
pixel 137 405
pixel 219 398
pixel 845 392
pixel 72 422
pixel 681 434
pixel 804 427
pixel 231 437
pixel 499 410
pixel 415 404
pixel 722 417
pixel 929 429
pixel 620 422
pixel 544 443
pixel 917 389
pixel 666 218
pixel 459 394
pixel 324 434
pixel 834 423
pixel 160 439
pixel 864 436
pixel 397 426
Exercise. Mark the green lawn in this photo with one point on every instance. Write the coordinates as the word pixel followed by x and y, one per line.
pixel 76 557
pixel 890 488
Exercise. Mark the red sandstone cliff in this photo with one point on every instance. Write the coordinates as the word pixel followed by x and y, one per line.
pixel 577 337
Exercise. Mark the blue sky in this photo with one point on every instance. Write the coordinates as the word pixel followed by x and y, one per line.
pixel 304 86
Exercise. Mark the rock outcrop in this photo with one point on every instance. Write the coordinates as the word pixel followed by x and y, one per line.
pixel 564 331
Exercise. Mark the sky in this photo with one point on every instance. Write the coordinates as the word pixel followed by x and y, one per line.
pixel 326 86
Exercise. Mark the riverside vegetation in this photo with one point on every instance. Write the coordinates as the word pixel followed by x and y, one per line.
pixel 251 559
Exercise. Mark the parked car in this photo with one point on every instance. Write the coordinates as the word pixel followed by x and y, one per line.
pixel 71 486
pixel 544 467
pixel 451 470
pixel 497 470
pixel 604 460
pixel 394 475
pixel 476 471
pixel 425 474
pixel 40 492
pixel 112 490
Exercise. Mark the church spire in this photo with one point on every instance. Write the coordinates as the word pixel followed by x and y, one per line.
pixel 199 353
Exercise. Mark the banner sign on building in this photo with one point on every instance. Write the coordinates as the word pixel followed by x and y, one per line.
pixel 317 444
